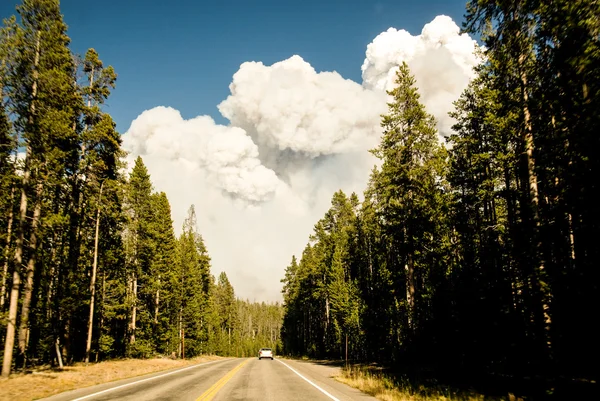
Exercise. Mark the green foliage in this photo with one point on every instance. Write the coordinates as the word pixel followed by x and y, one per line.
pixel 154 293
pixel 140 349
pixel 474 260
pixel 256 325
pixel 320 296
pixel 105 344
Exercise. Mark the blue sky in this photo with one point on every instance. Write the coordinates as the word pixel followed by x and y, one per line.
pixel 183 53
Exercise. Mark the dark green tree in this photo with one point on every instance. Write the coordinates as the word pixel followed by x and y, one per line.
pixel 41 93
pixel 191 286
pixel 139 249
pixel 163 260
pixel 409 194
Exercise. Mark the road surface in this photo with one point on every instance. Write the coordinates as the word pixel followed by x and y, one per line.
pixel 229 379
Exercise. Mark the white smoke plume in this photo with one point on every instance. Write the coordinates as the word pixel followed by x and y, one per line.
pixel 226 155
pixel 440 58
pixel 290 106
pixel 295 136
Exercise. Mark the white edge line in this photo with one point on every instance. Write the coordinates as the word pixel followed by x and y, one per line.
pixel 309 382
pixel 143 380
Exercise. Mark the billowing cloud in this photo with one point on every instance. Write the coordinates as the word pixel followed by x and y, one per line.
pixel 295 137
pixel 440 58
pixel 294 113
pixel 225 154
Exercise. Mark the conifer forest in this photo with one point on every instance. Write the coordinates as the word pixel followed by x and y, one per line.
pixel 476 257
pixel 91 266
pixel 471 255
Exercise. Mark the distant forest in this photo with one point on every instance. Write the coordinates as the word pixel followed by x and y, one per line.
pixel 91 267
pixel 477 258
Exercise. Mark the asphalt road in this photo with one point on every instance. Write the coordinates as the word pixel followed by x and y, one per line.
pixel 230 379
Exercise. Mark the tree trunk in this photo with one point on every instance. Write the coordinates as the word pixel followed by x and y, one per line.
pixel 180 324
pixel 12 323
pixel 28 293
pixel 156 303
pixel 326 319
pixel 18 258
pixel 527 137
pixel 571 236
pixel 346 350
pixel 51 279
pixel 66 346
pixel 133 309
pixel 7 250
pixel 58 355
pixel 18 262
pixel 88 345
pixel 410 288
pixel 101 325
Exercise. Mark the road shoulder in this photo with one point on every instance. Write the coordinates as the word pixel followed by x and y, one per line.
pixel 322 374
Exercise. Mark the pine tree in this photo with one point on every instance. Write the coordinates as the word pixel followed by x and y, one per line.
pixel 7 149
pixel 225 306
pixel 512 55
pixel 163 260
pixel 191 284
pixel 566 42
pixel 408 191
pixel 42 96
pixel 139 246
pixel 486 272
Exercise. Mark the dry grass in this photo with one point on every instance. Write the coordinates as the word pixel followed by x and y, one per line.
pixel 373 382
pixel 47 382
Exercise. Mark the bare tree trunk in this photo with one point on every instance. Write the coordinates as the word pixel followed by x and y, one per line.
pixel 180 333
pixel 7 250
pixel 12 322
pixel 58 355
pixel 18 262
pixel 529 146
pixel 571 236
pixel 51 280
pixel 133 309
pixel 346 350
pixel 326 320
pixel 156 303
pixel 18 258
pixel 28 293
pixel 410 289
pixel 528 140
pixel 409 269
pixel 66 346
pixel 88 345
pixel 101 325
pixel 182 343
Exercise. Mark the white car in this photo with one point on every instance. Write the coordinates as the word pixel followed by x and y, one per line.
pixel 265 353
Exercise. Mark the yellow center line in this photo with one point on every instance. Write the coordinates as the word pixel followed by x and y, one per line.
pixel 214 389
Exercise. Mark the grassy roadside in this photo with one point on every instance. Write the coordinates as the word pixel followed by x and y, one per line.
pixel 45 382
pixel 371 380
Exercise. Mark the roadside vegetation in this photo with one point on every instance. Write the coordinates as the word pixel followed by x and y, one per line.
pixel 386 387
pixel 472 254
pixel 45 381
pixel 91 266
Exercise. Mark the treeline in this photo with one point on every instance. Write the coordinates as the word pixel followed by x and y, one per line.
pixel 479 257
pixel 91 266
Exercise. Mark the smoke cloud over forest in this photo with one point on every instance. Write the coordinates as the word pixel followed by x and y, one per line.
pixel 295 136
